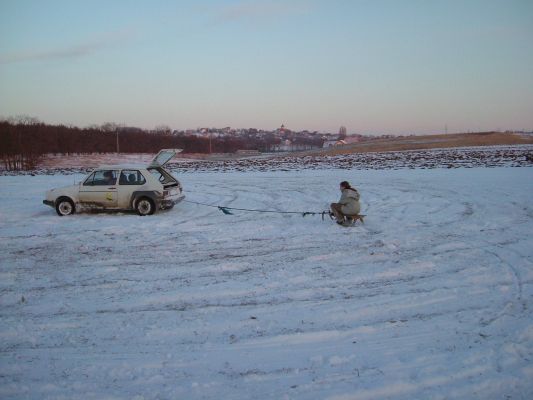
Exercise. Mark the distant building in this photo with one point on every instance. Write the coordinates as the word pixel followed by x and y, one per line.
pixel 287 146
pixel 282 129
pixel 333 143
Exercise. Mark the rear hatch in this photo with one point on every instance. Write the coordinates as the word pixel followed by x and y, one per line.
pixel 163 157
pixel 172 187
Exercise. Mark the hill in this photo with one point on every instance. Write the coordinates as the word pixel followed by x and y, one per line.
pixel 430 142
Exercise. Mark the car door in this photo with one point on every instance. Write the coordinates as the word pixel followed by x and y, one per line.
pixel 100 188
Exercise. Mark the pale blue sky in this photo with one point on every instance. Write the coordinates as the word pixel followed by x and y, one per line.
pixel 375 66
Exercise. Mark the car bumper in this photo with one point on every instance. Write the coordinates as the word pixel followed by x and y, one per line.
pixel 49 203
pixel 170 202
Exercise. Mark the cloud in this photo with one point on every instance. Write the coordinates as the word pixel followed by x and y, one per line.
pixel 254 10
pixel 52 54
pixel 73 51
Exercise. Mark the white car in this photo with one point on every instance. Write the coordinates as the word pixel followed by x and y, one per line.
pixel 121 187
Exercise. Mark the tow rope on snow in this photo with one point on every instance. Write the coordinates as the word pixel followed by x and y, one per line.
pixel 226 210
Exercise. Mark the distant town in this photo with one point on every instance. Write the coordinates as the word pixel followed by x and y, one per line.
pixel 282 139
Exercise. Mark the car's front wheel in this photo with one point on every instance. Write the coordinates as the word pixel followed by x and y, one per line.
pixel 145 206
pixel 65 206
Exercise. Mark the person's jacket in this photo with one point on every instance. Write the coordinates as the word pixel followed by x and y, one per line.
pixel 350 201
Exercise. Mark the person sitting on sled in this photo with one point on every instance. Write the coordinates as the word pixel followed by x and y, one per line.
pixel 348 204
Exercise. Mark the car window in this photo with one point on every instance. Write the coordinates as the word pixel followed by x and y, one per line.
pixel 131 177
pixel 101 178
pixel 89 180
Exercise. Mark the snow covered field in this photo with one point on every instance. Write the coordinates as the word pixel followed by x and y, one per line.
pixel 431 298
pixel 458 157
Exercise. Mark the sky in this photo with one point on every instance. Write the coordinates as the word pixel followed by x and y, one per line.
pixel 374 66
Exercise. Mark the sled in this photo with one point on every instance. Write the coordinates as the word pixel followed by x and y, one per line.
pixel 350 220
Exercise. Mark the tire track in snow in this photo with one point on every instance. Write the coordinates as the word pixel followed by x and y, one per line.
pixel 275 306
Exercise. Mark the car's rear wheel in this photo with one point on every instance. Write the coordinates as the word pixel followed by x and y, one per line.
pixel 65 206
pixel 145 206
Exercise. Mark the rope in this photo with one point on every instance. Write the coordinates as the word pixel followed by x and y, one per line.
pixel 225 210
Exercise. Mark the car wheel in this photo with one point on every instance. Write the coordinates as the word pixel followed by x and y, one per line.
pixel 65 206
pixel 145 206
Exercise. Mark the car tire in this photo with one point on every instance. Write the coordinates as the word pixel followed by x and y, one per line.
pixel 65 206
pixel 145 206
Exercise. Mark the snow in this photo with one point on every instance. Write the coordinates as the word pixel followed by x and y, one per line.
pixel 431 298
pixel 456 157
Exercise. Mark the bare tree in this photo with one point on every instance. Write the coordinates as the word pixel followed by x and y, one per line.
pixel 24 139
pixel 163 129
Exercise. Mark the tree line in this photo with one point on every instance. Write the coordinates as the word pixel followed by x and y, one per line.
pixel 23 140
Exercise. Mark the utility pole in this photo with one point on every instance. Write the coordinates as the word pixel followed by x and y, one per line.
pixel 118 149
